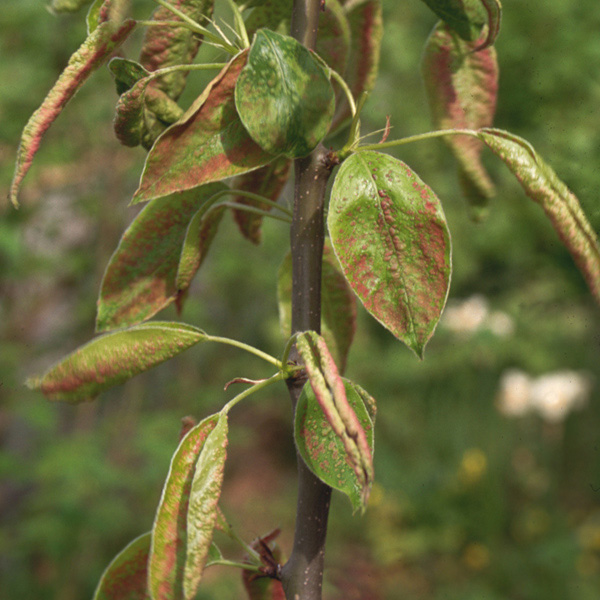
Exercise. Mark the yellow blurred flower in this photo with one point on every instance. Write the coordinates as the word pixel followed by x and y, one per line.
pixel 473 466
pixel 476 556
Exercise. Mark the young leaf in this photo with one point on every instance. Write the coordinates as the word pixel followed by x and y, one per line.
pixel 169 534
pixel 338 306
pixel 202 509
pixel 207 144
pixel 90 55
pixel 114 358
pixel 462 87
pixel 561 206
pixel 60 6
pixel 353 454
pixel 267 181
pixel 126 575
pixel 140 278
pixel 166 46
pixel 214 555
pixel 126 73
pixel 283 96
pixel 389 233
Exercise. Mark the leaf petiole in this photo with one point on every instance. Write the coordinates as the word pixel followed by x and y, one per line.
pixel 246 347
pixel 252 209
pixel 342 83
pixel 252 196
pixel 233 563
pixel 418 138
pixel 279 376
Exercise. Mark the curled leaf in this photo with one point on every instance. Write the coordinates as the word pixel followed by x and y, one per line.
pixel 462 87
pixel 169 533
pixel 390 235
pixel 114 358
pixel 348 431
pixel 561 206
pixel 207 144
pixel 140 278
pixel 126 575
pixel 91 54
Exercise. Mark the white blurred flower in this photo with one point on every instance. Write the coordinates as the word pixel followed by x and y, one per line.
pixel 473 314
pixel 515 392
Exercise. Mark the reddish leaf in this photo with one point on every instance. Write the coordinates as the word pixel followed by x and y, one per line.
pixel 355 449
pixel 167 46
pixel 140 278
pixel 169 534
pixel 462 87
pixel 114 358
pixel 389 233
pixel 125 577
pixel 338 306
pixel 267 181
pixel 90 55
pixel 561 206
pixel 207 144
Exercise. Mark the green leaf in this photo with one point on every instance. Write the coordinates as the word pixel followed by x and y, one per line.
pixel 126 73
pixel 267 181
pixel 114 358
pixel 214 556
pixel 169 533
pixel 140 278
pixel 331 436
pixel 166 46
pixel 207 144
pixel 95 15
pixel 90 55
pixel 283 96
pixel 60 6
pixel 338 306
pixel 126 575
pixel 466 17
pixel 462 87
pixel 202 509
pixel 390 235
pixel 561 206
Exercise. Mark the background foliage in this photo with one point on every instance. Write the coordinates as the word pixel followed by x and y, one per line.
pixel 469 502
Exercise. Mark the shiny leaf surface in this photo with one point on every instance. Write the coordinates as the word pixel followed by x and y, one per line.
pixel 389 233
pixel 114 358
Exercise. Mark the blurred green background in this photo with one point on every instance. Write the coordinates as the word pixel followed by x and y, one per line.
pixel 470 502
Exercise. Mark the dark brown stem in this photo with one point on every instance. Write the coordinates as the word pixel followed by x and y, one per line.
pixel 302 575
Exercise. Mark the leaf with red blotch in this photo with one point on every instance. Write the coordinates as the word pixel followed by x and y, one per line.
pixel 561 206
pixel 113 358
pixel 91 54
pixel 390 235
pixel 169 533
pixel 462 87
pixel 366 32
pixel 336 422
pixel 167 46
pixel 267 181
pixel 126 576
pixel 338 305
pixel 207 144
pixel 202 507
pixel 140 278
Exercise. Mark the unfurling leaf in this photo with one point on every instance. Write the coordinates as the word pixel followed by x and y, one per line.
pixel 349 466
pixel 262 587
pixel 114 358
pixel 283 96
pixel 561 206
pixel 167 46
pixel 140 278
pixel 207 144
pixel 390 235
pixel 96 49
pixel 462 87
pixel 60 6
pixel 267 181
pixel 126 73
pixel 169 534
pixel 338 306
pixel 202 507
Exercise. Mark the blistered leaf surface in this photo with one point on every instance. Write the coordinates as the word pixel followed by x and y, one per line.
pixel 169 534
pixel 338 306
pixel 202 509
pixel 96 49
pixel 126 575
pixel 283 96
pixel 462 86
pixel 114 358
pixel 354 448
pixel 390 235
pixel 207 144
pixel 562 207
pixel 140 278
